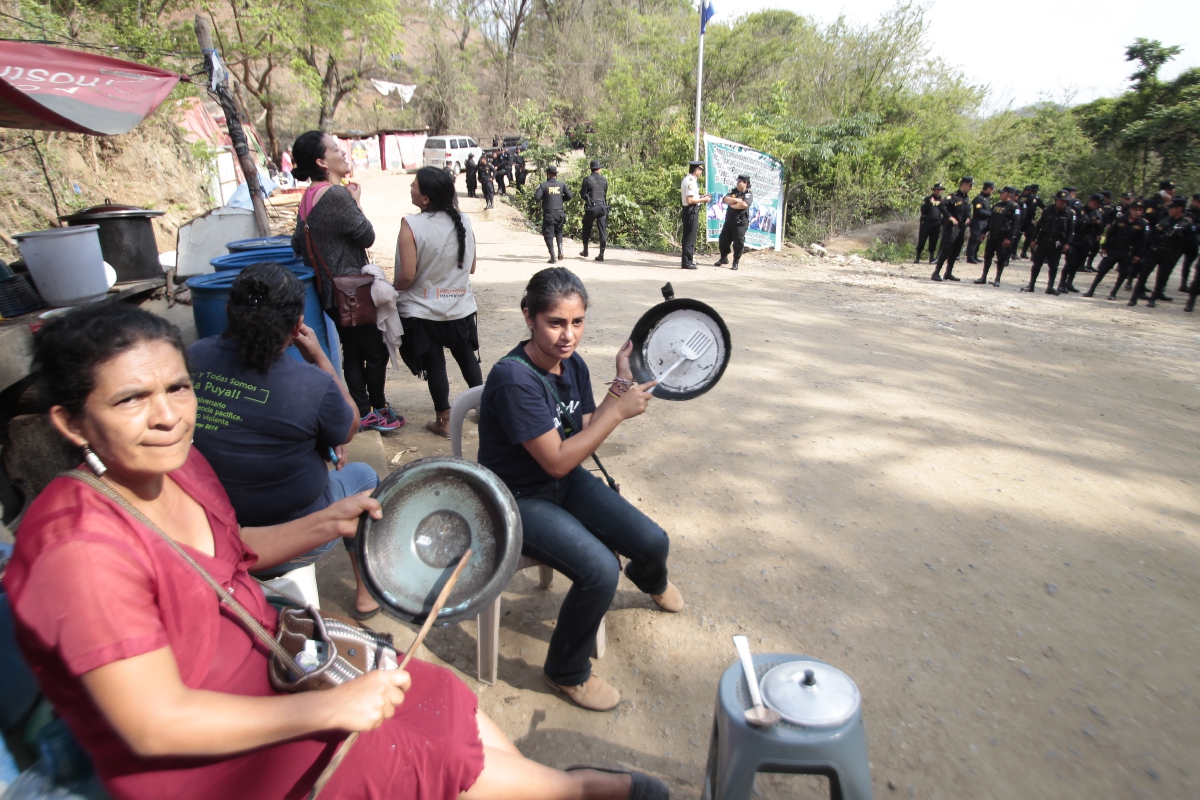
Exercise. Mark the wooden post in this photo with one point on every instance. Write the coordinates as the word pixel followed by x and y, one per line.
pixel 232 121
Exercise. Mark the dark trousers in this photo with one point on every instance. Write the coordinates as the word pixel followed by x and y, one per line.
pixel 733 237
pixel 1047 253
pixel 552 232
pixel 952 245
pixel 1076 259
pixel 1093 251
pixel 1189 258
pixel 500 182
pixel 434 365
pixel 690 215
pixel 995 249
pixel 930 232
pixel 1029 234
pixel 472 183
pixel 1125 269
pixel 976 238
pixel 520 182
pixel 489 193
pixel 364 363
pixel 599 218
pixel 1165 261
pixel 574 525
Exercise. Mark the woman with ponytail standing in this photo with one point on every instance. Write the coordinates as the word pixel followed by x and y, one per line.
pixel 332 235
pixel 435 258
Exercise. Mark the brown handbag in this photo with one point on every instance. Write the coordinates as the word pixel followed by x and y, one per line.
pixel 349 650
pixel 351 293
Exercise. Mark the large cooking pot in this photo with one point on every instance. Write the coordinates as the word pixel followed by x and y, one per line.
pixel 126 238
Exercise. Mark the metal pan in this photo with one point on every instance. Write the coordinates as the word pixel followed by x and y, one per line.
pixel 433 510
pixel 657 337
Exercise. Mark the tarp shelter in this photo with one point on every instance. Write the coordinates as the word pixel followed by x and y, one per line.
pixel 55 89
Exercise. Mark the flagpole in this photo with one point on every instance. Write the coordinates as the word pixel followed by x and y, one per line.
pixel 699 80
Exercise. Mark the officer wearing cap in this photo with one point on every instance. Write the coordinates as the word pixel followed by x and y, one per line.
pixel 737 221
pixel 1051 238
pixel 553 194
pixel 689 192
pixel 1168 238
pixel 472 177
pixel 594 192
pixel 1193 248
pixel 930 229
pixel 981 210
pixel 1004 225
pixel 487 174
pixel 1107 211
pixel 1125 242
pixel 1031 204
pixel 956 215
pixel 1089 226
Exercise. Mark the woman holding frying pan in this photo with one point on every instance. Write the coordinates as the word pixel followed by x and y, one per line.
pixel 538 422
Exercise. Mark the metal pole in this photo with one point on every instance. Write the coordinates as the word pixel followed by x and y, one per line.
pixel 236 134
pixel 699 86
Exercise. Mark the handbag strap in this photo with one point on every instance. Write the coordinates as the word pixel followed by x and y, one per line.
pixel 564 410
pixel 245 616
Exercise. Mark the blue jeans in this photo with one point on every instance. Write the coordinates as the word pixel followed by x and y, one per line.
pixel 351 479
pixel 556 535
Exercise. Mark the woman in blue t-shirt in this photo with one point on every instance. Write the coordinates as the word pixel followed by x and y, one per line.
pixel 537 424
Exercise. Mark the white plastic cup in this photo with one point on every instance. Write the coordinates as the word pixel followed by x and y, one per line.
pixel 66 264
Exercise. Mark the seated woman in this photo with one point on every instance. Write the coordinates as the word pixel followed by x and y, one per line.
pixel 537 424
pixel 159 681
pixel 265 421
pixel 435 259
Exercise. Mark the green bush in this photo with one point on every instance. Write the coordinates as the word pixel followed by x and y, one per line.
pixel 890 252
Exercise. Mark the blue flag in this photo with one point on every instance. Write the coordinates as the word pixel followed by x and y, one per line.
pixel 706 13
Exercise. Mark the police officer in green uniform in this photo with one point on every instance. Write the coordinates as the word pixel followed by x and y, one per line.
pixel 594 192
pixel 553 194
pixel 737 221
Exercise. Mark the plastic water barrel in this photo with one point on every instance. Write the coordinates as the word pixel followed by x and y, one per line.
pixel 211 292
pixel 237 261
pixel 260 243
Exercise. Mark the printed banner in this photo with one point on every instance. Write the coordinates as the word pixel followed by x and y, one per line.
pixel 723 162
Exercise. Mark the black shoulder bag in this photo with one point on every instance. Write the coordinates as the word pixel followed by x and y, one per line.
pixel 570 427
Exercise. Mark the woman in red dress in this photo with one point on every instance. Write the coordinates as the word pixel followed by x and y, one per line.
pixel 159 681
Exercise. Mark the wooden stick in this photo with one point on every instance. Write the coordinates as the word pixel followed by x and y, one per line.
pixel 349 741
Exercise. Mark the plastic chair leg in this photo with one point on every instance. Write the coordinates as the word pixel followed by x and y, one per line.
pixel 601 643
pixel 299 583
pixel 487 654
pixel 545 576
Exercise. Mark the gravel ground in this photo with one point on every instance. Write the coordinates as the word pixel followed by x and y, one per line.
pixel 979 504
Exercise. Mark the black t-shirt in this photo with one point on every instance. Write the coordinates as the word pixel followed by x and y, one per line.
pixel 264 434
pixel 516 407
pixel 739 216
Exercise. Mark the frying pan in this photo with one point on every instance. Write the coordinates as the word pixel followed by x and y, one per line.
pixel 657 337
pixel 434 509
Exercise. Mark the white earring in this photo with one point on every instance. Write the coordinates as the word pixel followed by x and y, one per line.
pixel 94 462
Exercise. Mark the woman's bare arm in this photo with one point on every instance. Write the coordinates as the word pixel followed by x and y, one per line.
pixel 406 249
pixel 156 714
pixel 278 544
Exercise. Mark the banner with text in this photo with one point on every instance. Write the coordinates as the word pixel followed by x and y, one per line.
pixel 723 162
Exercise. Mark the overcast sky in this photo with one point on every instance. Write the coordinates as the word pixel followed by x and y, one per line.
pixel 1056 48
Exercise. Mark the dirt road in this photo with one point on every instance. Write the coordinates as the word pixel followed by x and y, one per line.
pixel 980 504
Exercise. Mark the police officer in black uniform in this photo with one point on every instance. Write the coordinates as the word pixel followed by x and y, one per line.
pixel 1169 237
pixel 501 168
pixel 1125 242
pixel 1089 226
pixel 594 192
pixel 1051 238
pixel 1004 225
pixel 522 172
pixel 981 210
pixel 956 215
pixel 553 194
pixel 1193 248
pixel 486 174
pixel 1107 212
pixel 931 223
pixel 472 178
pixel 1031 204
pixel 737 221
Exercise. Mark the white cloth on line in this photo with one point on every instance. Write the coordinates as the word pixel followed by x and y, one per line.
pixel 403 89
pixel 387 316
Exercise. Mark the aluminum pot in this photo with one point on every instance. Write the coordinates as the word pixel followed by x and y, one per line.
pixel 126 238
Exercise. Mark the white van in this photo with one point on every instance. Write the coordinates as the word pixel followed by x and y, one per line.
pixel 452 151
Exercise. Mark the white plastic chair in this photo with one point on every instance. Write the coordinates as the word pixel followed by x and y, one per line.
pixel 299 583
pixel 488 621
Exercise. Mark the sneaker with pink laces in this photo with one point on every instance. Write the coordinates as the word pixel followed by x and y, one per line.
pixel 384 420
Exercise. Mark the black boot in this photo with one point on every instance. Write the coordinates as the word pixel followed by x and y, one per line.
pixel 553 260
pixel 560 255
pixel 722 261
pixel 735 265
pixel 1190 304
pixel 583 254
pixel 937 275
pixel 601 256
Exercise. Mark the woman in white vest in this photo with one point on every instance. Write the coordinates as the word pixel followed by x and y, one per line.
pixel 435 258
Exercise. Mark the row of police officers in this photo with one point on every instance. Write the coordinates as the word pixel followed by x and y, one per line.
pixel 1134 236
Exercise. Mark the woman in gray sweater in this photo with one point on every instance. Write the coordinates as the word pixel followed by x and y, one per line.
pixel 341 235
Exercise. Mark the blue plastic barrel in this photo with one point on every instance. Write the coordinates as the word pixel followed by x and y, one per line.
pixel 211 292
pixel 236 261
pixel 260 243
